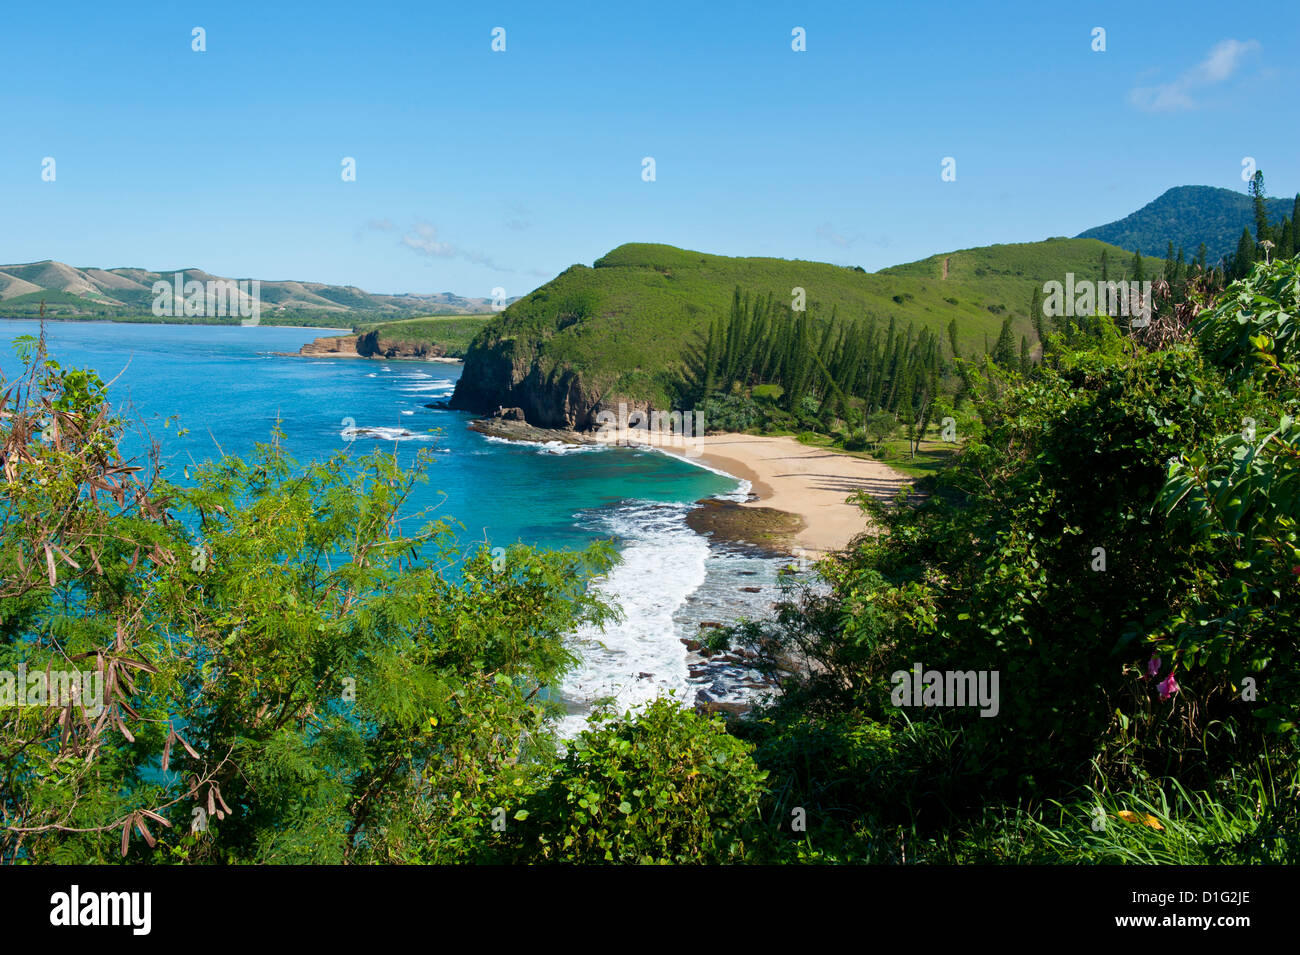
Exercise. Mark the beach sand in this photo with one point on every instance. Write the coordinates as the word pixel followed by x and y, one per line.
pixel 809 482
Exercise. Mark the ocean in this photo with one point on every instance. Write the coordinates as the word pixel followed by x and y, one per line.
pixel 228 388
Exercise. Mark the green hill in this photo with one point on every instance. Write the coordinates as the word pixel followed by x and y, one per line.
pixel 452 333
pixel 621 330
pixel 1188 216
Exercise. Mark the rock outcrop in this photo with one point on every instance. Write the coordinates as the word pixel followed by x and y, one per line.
pixel 370 345
pixel 507 373
pixel 334 345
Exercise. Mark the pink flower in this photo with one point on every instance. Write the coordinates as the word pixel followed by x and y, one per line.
pixel 1168 687
pixel 1153 665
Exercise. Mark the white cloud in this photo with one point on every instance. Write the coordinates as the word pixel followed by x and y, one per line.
pixel 1219 66
pixel 424 239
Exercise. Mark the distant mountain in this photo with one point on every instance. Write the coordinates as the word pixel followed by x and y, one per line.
pixel 69 292
pixel 1188 216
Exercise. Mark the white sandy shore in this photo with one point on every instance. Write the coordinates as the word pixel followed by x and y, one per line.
pixel 812 483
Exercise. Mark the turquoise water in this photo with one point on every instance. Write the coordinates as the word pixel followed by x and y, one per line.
pixel 228 390
pixel 226 385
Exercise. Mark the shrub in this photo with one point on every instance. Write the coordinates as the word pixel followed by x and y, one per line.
pixel 661 786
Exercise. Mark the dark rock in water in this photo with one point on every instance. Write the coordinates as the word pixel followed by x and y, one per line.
pixel 764 530
pixel 692 645
pixel 713 624
pixel 441 405
pixel 644 676
pixel 517 430
pixel 752 590
pixel 706 703
pixel 510 414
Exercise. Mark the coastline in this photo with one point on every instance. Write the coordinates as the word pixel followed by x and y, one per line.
pixel 442 359
pixel 811 483
pixel 797 493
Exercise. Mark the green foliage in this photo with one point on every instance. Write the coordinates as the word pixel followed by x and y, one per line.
pixel 665 786
pixel 1253 333
pixel 284 659
pixel 1126 569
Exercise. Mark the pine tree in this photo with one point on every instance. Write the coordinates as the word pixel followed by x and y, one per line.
pixel 1258 197
pixel 1105 266
pixel 1201 258
pixel 1244 260
pixel 1286 245
pixel 1138 274
pixel 1024 354
pixel 1036 307
pixel 1004 353
pixel 708 382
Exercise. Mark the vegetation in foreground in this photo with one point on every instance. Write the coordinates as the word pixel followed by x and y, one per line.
pixel 293 674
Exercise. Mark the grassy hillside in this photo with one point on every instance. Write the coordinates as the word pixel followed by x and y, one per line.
pixel 452 332
pixel 624 325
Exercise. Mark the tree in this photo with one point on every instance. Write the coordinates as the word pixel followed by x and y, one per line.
pixel 880 426
pixel 1244 260
pixel 1004 354
pixel 292 668
pixel 1138 274
pixel 1036 310
pixel 1260 202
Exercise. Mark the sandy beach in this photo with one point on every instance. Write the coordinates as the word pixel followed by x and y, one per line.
pixel 812 483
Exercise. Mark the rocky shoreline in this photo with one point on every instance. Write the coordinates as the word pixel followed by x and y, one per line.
pixel 726 681
pixel 370 345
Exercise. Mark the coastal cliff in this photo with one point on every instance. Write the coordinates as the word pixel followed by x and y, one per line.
pixel 507 372
pixel 372 345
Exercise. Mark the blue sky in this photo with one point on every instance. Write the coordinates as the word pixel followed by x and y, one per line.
pixel 477 169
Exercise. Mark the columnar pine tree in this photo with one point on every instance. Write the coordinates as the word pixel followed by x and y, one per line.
pixel 1004 354
pixel 1258 197
pixel 1036 309
pixel 1244 260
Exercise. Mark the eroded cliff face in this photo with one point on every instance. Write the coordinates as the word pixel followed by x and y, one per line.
pixel 370 345
pixel 334 345
pixel 503 373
